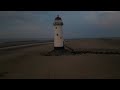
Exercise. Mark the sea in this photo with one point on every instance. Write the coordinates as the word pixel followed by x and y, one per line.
pixel 14 42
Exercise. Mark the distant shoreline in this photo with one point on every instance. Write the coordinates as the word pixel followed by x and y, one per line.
pixel 16 43
pixel 25 42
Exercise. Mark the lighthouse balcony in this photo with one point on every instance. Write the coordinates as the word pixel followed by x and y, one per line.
pixel 58 23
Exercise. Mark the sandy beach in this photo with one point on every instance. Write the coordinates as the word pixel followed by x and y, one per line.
pixel 29 62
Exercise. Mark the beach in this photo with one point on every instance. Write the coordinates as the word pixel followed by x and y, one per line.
pixel 30 62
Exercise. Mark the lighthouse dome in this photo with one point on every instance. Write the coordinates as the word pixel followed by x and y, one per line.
pixel 58 21
pixel 58 18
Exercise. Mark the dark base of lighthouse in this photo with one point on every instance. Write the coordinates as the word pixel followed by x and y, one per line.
pixel 59 48
pixel 58 51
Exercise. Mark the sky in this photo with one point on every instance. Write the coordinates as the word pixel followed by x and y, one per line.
pixel 77 24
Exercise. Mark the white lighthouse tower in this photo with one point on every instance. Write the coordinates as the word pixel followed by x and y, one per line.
pixel 58 33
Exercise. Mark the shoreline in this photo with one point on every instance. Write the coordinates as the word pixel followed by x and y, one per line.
pixel 17 43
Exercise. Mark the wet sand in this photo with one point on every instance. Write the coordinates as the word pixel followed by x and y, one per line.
pixel 27 63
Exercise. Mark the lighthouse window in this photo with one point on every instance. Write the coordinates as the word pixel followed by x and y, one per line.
pixel 57 34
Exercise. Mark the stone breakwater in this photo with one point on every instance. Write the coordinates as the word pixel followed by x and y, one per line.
pixel 70 51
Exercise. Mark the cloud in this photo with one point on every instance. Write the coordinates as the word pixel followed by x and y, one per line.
pixel 105 19
pixel 24 24
pixel 76 23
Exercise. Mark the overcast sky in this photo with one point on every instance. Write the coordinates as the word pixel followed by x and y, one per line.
pixel 77 24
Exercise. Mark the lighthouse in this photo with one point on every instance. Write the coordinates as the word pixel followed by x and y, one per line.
pixel 58 34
